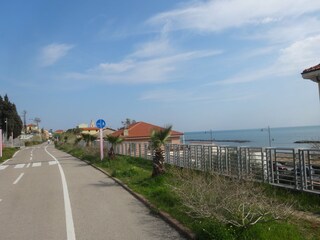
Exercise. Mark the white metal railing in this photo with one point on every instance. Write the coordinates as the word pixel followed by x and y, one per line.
pixel 285 167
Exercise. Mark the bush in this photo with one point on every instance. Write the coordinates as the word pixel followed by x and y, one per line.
pixel 231 201
pixel 7 153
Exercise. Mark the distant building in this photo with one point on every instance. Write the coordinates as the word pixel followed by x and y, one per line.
pixel 82 125
pixel 32 128
pixel 93 130
pixel 59 131
pixel 141 132
pixel 90 130
pixel 107 131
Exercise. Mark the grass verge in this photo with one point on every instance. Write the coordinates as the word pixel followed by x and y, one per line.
pixel 7 153
pixel 136 174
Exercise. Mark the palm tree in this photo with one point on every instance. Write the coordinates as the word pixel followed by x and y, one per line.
pixel 114 140
pixel 158 140
pixel 78 139
pixel 88 138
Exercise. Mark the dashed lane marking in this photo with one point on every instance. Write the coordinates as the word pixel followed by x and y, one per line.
pixel 3 167
pixel 19 166
pixel 18 179
pixel 37 164
pixel 22 165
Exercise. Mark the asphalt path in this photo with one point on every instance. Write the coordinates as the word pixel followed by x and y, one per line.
pixel 48 194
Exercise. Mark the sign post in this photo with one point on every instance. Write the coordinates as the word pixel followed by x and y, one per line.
pixel 1 143
pixel 101 124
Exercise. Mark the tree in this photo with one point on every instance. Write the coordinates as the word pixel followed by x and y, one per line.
pixel 10 121
pixel 126 123
pixel 114 140
pixel 158 140
pixel 88 138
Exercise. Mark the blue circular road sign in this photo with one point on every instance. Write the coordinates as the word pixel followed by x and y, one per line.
pixel 100 123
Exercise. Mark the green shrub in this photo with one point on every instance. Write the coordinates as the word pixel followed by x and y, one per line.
pixel 7 153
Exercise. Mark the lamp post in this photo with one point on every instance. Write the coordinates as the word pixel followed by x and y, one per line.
pixel 269 135
pixel 211 138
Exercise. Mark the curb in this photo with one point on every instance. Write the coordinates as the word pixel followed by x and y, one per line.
pixel 165 216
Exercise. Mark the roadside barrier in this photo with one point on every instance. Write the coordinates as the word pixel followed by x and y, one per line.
pixel 284 167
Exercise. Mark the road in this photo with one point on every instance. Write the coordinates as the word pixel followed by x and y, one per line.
pixel 47 194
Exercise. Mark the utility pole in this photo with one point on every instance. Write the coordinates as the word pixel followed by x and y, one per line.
pixel 6 128
pixel 24 113
pixel 1 143
pixel 37 121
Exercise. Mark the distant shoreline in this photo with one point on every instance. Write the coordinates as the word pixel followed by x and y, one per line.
pixel 202 140
pixel 307 141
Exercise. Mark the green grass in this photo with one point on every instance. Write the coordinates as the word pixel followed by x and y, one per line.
pixel 136 174
pixel 303 201
pixel 7 153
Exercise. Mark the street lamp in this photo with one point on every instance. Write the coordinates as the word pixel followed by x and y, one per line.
pixel 269 135
pixel 211 139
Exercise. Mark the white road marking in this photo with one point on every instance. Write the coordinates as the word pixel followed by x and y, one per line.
pixel 5 162
pixel 3 167
pixel 28 165
pixel 52 163
pixel 19 166
pixel 67 205
pixel 31 158
pixel 18 179
pixel 37 164
pixel 0 200
pixel 15 153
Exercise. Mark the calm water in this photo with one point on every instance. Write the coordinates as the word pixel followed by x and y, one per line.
pixel 280 137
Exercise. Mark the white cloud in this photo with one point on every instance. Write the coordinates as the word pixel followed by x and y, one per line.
pixel 291 60
pixel 193 95
pixel 52 53
pixel 160 46
pixel 289 31
pixel 142 66
pixel 218 15
pixel 299 55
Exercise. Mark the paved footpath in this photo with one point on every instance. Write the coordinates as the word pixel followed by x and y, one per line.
pixel 47 194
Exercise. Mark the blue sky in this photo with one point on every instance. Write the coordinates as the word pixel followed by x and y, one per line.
pixel 198 65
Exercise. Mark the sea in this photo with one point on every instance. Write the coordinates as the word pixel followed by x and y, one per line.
pixel 284 137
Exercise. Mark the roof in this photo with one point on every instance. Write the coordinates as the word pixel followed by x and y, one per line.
pixel 90 129
pixel 59 131
pixel 142 130
pixel 311 69
pixel 312 73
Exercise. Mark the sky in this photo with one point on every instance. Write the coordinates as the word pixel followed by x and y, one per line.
pixel 197 65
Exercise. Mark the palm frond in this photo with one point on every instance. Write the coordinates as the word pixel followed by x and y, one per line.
pixel 160 137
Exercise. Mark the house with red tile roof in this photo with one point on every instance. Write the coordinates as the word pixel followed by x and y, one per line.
pixel 313 74
pixel 59 131
pixel 93 130
pixel 90 130
pixel 141 131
